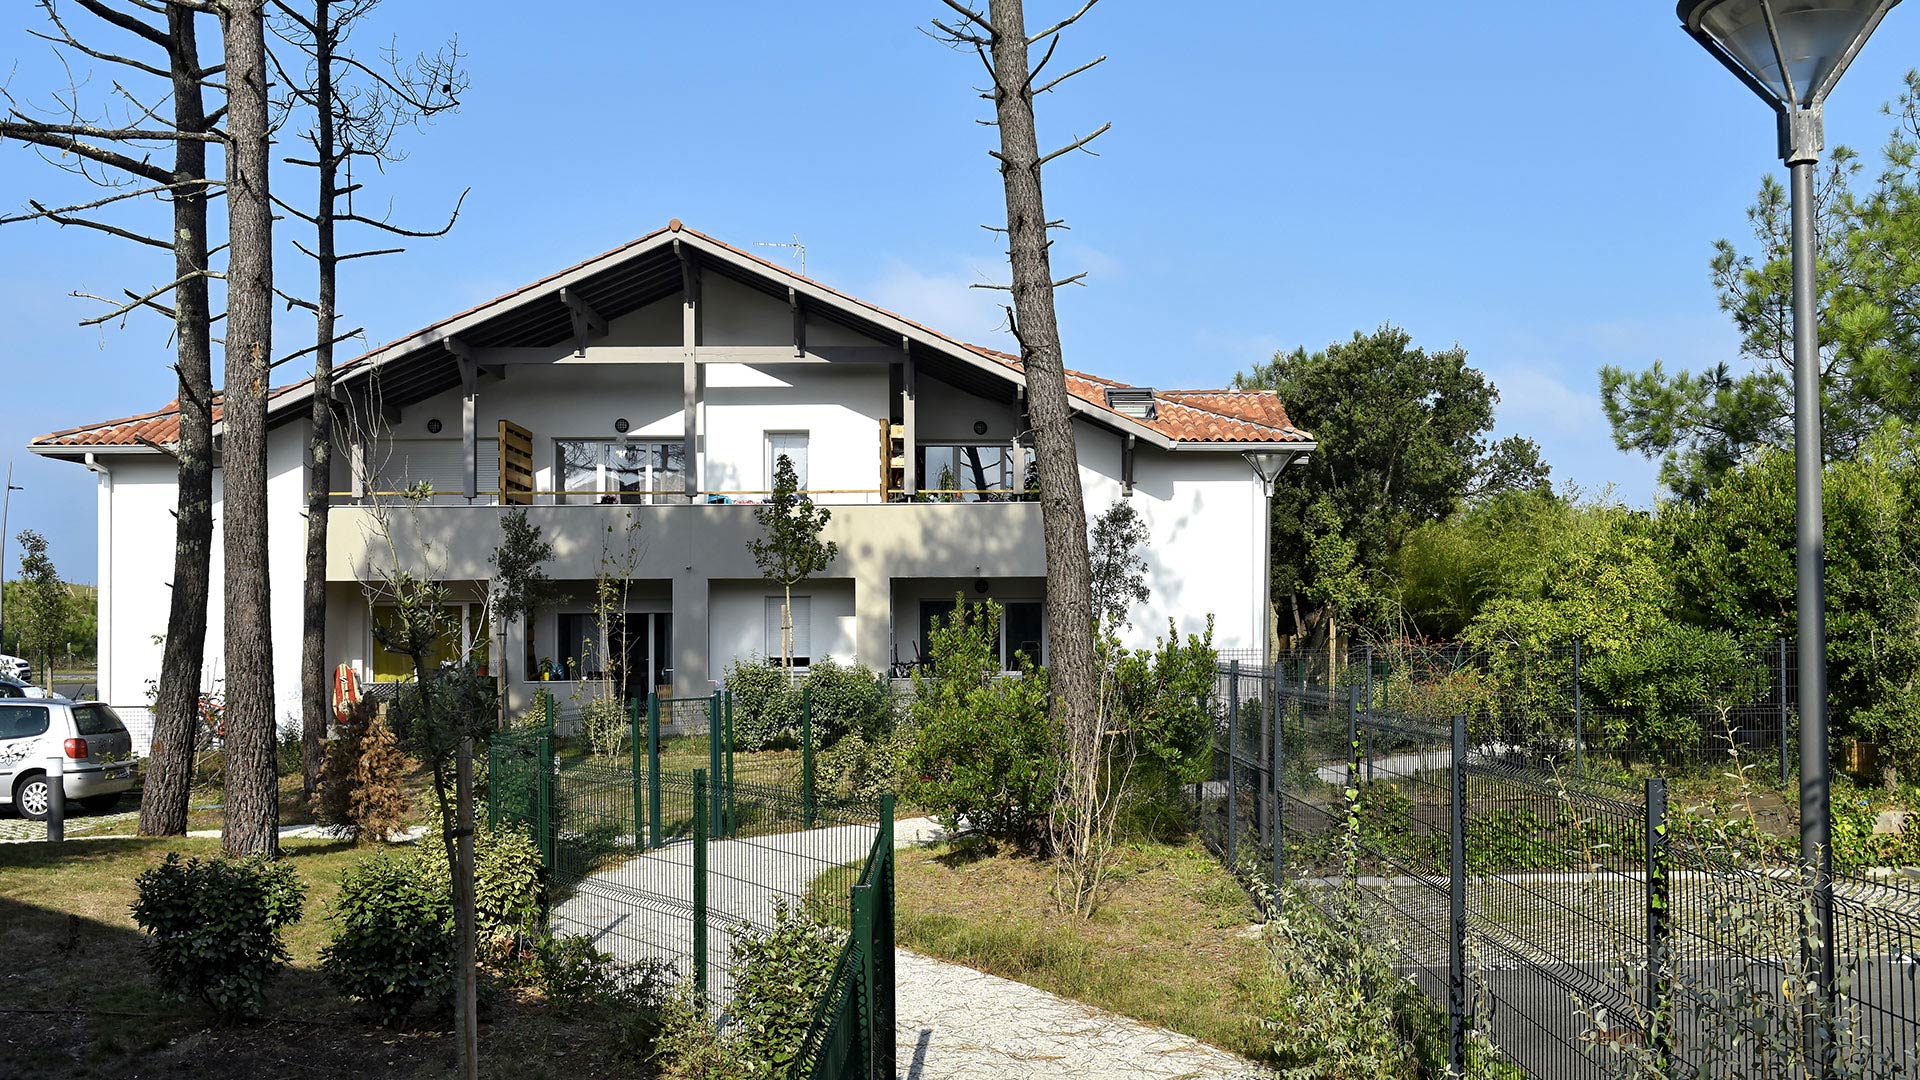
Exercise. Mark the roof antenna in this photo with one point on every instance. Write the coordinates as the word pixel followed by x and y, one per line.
pixel 796 245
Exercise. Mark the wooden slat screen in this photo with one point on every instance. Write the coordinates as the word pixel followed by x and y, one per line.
pixel 516 465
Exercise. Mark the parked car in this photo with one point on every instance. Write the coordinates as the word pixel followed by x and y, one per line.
pixel 14 688
pixel 14 667
pixel 98 761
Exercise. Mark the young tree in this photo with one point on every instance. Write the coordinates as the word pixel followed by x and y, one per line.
pixel 520 582
pixel 999 37
pixel 44 603
pixel 115 153
pixel 1119 570
pixel 355 111
pixel 790 550
pixel 252 799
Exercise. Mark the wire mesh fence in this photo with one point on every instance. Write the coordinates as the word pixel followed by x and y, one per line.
pixel 662 853
pixel 1548 908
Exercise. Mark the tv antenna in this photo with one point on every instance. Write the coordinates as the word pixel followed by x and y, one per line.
pixel 796 245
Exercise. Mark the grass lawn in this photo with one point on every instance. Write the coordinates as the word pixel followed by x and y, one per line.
pixel 1172 945
pixel 80 1002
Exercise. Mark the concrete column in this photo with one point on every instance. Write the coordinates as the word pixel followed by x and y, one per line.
pixel 873 621
pixel 692 638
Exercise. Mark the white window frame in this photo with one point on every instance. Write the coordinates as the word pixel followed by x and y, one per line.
pixel 650 494
pixel 802 629
pixel 805 468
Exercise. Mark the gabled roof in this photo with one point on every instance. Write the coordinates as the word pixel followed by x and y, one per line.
pixel 646 270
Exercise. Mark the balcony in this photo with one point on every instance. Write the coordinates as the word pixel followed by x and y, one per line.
pixel 451 540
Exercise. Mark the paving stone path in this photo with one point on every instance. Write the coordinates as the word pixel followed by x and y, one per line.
pixel 956 1023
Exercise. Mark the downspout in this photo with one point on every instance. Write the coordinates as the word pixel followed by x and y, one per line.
pixel 103 639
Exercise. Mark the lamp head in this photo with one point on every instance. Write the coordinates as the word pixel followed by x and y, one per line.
pixel 1268 464
pixel 1791 52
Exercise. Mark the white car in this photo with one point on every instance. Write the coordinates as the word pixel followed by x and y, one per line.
pixel 13 667
pixel 97 761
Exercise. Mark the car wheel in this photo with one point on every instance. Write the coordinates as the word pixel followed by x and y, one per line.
pixel 33 797
pixel 100 804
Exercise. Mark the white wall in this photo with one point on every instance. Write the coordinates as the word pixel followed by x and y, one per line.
pixel 737 614
pixel 839 407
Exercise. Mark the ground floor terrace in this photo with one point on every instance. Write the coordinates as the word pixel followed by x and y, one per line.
pixel 678 637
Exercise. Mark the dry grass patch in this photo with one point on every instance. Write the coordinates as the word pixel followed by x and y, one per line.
pixel 1172 943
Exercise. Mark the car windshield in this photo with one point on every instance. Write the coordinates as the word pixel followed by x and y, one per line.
pixel 20 721
pixel 96 720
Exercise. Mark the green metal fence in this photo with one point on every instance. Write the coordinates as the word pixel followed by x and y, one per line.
pixel 852 1033
pixel 672 847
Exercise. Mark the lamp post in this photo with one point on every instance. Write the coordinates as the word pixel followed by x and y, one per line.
pixel 1267 465
pixel 1791 53
pixel 6 503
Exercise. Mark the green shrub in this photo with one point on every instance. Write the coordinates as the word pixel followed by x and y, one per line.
pixel 1659 679
pixel 766 709
pixel 604 721
pixel 214 927
pixel 985 749
pixel 854 768
pixel 848 699
pixel 509 895
pixel 778 975
pixel 394 942
pixel 1164 696
pixel 288 753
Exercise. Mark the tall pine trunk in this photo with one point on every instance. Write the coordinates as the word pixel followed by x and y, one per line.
pixel 169 770
pixel 1070 662
pixel 314 684
pixel 252 796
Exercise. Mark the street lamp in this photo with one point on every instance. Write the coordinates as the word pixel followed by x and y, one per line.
pixel 1267 465
pixel 6 503
pixel 1791 53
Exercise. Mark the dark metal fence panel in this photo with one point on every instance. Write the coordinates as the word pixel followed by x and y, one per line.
pixel 1555 908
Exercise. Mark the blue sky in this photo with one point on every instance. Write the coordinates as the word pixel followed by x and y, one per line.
pixel 1537 183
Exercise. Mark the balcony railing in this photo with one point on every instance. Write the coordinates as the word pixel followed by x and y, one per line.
pixel 429 496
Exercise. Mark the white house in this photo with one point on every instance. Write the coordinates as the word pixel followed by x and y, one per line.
pixel 652 388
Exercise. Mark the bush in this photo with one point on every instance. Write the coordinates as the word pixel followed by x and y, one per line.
pixel 1662 679
pixel 854 768
pixel 214 927
pixel 362 792
pixel 1164 696
pixel 604 722
pixel 394 944
pixel 766 709
pixel 778 976
pixel 985 750
pixel 848 699
pixel 288 753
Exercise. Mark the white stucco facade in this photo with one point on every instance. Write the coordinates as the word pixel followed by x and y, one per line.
pixel 745 365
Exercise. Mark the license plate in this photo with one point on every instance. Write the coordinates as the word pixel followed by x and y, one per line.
pixel 120 772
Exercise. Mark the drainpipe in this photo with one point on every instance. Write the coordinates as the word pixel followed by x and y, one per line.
pixel 103 641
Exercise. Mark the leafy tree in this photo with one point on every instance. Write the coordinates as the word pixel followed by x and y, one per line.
pixel 520 582
pixel 790 551
pixel 44 602
pixel 1512 464
pixel 1702 424
pixel 1399 431
pixel 1119 570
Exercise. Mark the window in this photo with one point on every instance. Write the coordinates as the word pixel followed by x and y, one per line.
pixel 791 445
pixel 620 471
pixel 398 667
pixel 802 641
pixel 1022 630
pixel 639 643
pixel 96 720
pixel 967 472
pixel 22 721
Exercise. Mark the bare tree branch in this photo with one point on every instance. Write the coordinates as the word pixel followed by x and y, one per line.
pixel 140 301
pixel 59 218
pixel 971 16
pixel 31 133
pixel 317 346
pixel 1077 144
pixel 115 197
pixel 1069 74
pixel 1063 23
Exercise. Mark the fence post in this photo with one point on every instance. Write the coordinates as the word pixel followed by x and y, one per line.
pixel 543 795
pixel 700 791
pixel 716 736
pixel 883 981
pixel 56 796
pixel 639 793
pixel 1659 977
pixel 493 787
pixel 546 709
pixel 806 756
pixel 654 814
pixel 1781 682
pixel 733 811
pixel 1353 740
pixel 1457 906
pixel 1278 782
pixel 1579 717
pixel 1233 750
